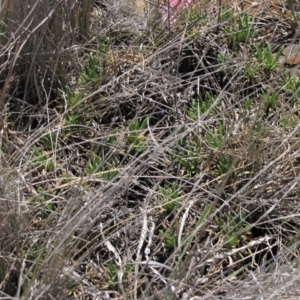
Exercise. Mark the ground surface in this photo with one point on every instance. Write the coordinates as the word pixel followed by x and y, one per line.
pixel 168 168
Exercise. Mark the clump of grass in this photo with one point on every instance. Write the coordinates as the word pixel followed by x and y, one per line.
pixel 36 52
pixel 170 197
pixel 266 57
pixel 188 154
pixel 241 30
pixel 231 228
pixel 136 139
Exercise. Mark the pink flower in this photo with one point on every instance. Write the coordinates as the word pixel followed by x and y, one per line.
pixel 173 8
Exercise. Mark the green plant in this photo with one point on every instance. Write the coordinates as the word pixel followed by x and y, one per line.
pixel 250 70
pixel 112 271
pixel 224 65
pixel 73 119
pixel 295 230
pixel 248 103
pixel 71 98
pixel 214 137
pixel 72 286
pixel 91 70
pixel 41 160
pixel 98 166
pixel 35 255
pixel 136 136
pixel 291 85
pixel 112 138
pixel 112 170
pixel 224 163
pixel 169 238
pixel 221 58
pixel 44 200
pixel 260 53
pixel 288 121
pixel 266 57
pixel 192 34
pixel 74 115
pixel 65 178
pixel 232 228
pixel 170 197
pixel 241 32
pixel 195 111
pixel 188 153
pixel 226 14
pixel 94 163
pixel 270 99
pixel 98 65
pixel 202 219
pixel 202 105
pixel 49 141
pixel 35 251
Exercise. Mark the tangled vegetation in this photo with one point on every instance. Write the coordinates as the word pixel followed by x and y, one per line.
pixel 149 160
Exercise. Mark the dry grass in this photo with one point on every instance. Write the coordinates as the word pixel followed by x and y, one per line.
pixel 154 164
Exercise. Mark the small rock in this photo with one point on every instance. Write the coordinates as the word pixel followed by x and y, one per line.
pixel 290 55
